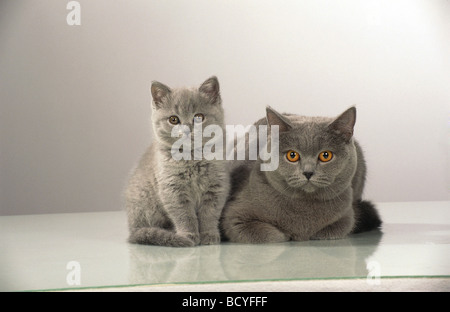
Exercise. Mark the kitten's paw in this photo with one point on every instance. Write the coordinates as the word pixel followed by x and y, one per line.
pixel 194 237
pixel 182 241
pixel 209 238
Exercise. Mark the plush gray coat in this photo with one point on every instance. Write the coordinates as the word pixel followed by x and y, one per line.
pixel 178 202
pixel 305 199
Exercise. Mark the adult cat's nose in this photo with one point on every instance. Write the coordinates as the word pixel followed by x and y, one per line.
pixel 308 174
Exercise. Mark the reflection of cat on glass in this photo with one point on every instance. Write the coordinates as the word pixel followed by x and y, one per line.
pixel 178 203
pixel 314 194
pixel 154 264
pixel 291 260
pixel 297 260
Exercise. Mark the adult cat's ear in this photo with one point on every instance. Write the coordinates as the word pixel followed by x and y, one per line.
pixel 343 125
pixel 275 118
pixel 211 89
pixel 159 91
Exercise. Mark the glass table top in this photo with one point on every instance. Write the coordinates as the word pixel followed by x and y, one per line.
pixel 89 250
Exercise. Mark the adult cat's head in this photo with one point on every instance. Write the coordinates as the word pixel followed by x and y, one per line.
pixel 317 154
pixel 184 107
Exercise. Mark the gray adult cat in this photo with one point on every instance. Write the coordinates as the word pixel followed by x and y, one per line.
pixel 178 202
pixel 314 194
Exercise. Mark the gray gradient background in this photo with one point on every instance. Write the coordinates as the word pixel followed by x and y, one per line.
pixel 75 100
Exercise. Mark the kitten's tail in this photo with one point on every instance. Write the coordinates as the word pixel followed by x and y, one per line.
pixel 367 217
pixel 160 237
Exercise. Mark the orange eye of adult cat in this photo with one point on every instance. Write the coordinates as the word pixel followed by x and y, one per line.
pixel 292 156
pixel 325 156
pixel 174 120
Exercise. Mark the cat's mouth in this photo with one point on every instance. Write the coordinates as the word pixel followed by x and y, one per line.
pixel 306 185
pixel 309 187
pixel 300 183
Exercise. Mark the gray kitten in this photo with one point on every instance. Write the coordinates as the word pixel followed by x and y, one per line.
pixel 178 202
pixel 314 194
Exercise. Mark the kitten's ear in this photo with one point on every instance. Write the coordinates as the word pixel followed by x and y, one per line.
pixel 159 91
pixel 275 118
pixel 343 125
pixel 211 88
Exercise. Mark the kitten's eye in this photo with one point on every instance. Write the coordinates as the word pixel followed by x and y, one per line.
pixel 292 156
pixel 325 156
pixel 174 120
pixel 199 117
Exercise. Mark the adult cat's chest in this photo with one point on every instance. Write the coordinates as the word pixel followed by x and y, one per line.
pixel 296 215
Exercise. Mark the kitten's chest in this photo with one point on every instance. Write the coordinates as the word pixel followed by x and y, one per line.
pixel 194 177
pixel 195 171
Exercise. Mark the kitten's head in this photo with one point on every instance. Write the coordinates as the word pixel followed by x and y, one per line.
pixel 316 154
pixel 184 107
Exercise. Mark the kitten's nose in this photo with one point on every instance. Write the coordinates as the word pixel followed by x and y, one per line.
pixel 308 174
pixel 183 131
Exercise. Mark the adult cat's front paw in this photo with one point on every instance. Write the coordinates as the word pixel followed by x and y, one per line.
pixel 326 237
pixel 209 238
pixel 329 233
pixel 336 230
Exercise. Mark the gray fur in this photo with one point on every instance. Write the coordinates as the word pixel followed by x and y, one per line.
pixel 178 203
pixel 282 205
